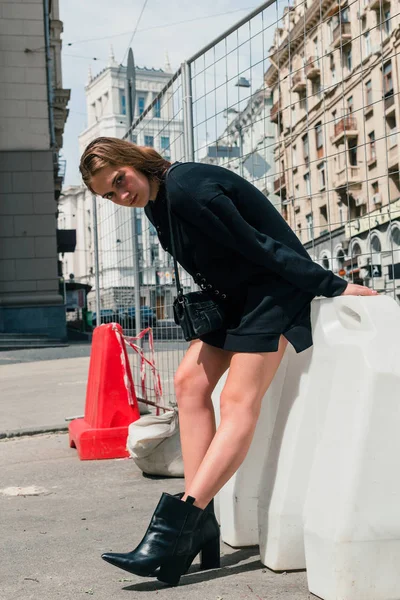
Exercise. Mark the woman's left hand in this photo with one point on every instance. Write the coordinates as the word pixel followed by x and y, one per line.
pixel 358 290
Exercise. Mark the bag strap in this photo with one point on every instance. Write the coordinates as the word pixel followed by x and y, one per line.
pixel 177 280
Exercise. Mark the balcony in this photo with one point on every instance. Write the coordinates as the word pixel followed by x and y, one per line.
pixel 341 35
pixel 345 128
pixel 298 82
pixel 393 159
pixel 280 187
pixel 312 68
pixel 389 103
pixel 335 8
pixel 377 4
pixel 347 178
pixel 275 112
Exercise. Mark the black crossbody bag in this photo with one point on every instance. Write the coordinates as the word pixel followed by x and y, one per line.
pixel 196 312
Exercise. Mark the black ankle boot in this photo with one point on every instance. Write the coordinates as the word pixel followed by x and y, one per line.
pixel 178 531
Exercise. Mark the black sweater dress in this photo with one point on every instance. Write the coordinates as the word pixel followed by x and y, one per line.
pixel 231 239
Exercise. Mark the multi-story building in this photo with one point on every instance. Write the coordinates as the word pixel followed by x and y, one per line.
pixel 32 117
pixel 334 75
pixel 247 145
pixel 106 98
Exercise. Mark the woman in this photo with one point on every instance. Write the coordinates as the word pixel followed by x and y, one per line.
pixel 236 245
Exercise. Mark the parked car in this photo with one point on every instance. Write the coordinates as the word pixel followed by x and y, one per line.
pixel 166 329
pixel 108 315
pixel 127 318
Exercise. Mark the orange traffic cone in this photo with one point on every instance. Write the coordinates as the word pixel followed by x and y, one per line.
pixel 111 403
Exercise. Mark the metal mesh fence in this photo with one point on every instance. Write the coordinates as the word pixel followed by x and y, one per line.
pixel 302 100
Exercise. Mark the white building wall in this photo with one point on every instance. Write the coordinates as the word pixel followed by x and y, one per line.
pixel 115 224
pixel 24 118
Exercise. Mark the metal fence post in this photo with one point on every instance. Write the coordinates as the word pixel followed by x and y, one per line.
pixel 187 112
pixel 96 260
pixel 188 133
pixel 136 273
pixel 131 88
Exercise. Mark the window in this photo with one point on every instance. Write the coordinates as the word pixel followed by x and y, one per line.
pixel 152 229
pixel 157 109
pixel 322 176
pixel 325 261
pixel 368 92
pixel 376 245
pixel 155 253
pixel 134 139
pixel 387 23
pixel 319 140
pixel 363 21
pixel 303 100
pixel 375 188
pixel 350 105
pixel 140 252
pixel 367 43
pixel 139 226
pixel 299 230
pixel 387 79
pixel 340 258
pixel 309 220
pixel 333 69
pixel 395 236
pixel 316 87
pixel 122 102
pixel 340 212
pixel 349 60
pixel 330 31
pixel 141 104
pixel 308 183
pixel 391 131
pixel 294 157
pixel 316 49
pixel 372 148
pixel 149 141
pixel 353 153
pixel 165 147
pixel 305 148
pixel 344 15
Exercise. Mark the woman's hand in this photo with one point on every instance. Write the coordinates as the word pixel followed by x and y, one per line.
pixel 358 290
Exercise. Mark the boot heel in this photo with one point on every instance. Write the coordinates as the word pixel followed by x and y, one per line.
pixel 171 570
pixel 210 555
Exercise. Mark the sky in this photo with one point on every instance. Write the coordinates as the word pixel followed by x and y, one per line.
pixel 92 26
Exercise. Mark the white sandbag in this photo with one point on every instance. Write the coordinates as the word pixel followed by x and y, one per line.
pixel 154 444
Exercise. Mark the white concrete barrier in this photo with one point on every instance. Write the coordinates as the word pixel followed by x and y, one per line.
pixel 352 510
pixel 326 447
pixel 236 504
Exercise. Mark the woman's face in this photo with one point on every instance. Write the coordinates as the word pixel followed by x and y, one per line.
pixel 124 186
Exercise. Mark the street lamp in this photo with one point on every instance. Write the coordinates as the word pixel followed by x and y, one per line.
pixel 243 82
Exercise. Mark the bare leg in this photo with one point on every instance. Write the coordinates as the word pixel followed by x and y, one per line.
pixel 249 378
pixel 195 379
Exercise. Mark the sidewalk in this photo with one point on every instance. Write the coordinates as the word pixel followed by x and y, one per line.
pixel 40 395
pixel 58 514
pixel 72 511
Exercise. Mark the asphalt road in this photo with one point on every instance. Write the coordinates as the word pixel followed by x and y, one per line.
pixel 58 514
pixel 74 350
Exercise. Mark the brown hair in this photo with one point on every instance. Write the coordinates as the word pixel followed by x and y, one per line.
pixel 107 151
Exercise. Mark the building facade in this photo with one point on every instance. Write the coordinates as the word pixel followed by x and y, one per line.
pixel 334 76
pixel 106 97
pixel 248 143
pixel 32 116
